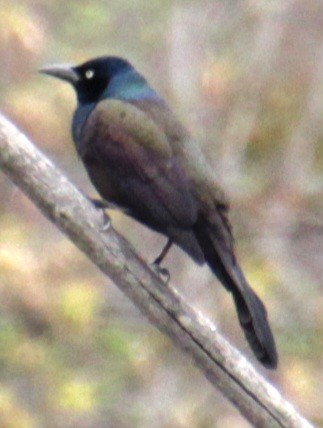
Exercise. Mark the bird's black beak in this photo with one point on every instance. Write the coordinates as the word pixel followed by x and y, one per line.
pixel 63 72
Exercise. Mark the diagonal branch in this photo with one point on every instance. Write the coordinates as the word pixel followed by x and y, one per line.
pixel 259 402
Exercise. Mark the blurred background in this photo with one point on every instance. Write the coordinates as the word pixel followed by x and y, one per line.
pixel 246 78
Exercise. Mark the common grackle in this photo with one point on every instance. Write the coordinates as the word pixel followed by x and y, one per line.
pixel 140 158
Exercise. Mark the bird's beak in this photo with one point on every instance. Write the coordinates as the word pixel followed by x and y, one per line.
pixel 63 72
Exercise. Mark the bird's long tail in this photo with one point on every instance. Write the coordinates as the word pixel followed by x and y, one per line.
pixel 215 241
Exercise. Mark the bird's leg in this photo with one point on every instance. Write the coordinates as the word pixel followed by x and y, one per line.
pixel 102 204
pixel 163 253
pixel 156 263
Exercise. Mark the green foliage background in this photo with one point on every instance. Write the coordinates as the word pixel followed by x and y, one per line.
pixel 246 77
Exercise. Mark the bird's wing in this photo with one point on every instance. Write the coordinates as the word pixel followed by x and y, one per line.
pixel 126 144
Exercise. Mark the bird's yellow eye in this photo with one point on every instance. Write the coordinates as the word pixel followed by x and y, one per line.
pixel 89 74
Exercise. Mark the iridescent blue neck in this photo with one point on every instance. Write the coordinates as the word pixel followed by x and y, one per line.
pixel 130 86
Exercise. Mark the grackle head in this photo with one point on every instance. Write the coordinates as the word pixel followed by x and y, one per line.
pixel 103 77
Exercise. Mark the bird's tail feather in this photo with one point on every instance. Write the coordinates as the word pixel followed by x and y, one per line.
pixel 252 314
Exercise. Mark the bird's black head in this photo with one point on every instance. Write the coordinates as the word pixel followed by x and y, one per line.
pixel 92 78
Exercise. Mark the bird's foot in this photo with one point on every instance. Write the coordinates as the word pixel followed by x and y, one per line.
pixel 163 273
pixel 102 205
pixel 106 222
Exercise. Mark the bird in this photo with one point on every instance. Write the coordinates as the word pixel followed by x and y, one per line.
pixel 141 159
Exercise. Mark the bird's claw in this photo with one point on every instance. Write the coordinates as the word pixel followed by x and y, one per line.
pixel 163 273
pixel 102 206
pixel 106 222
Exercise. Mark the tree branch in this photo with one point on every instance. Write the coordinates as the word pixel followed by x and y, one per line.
pixel 259 402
